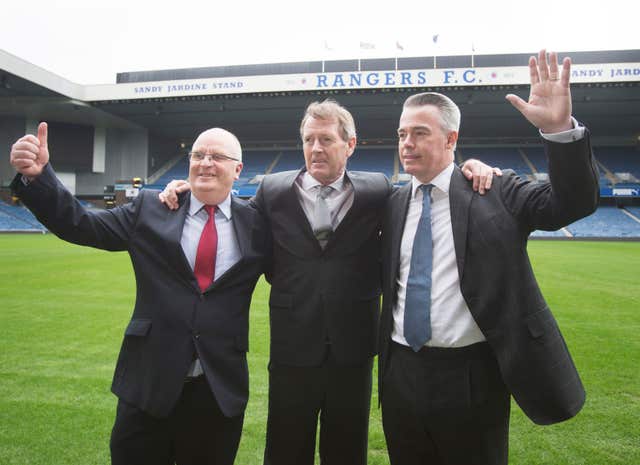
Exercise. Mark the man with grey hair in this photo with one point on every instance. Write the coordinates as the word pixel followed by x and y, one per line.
pixel 181 379
pixel 464 325
pixel 325 294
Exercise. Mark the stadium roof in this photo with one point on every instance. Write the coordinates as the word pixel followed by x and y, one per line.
pixel 610 107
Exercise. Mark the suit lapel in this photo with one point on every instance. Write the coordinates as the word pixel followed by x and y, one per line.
pixel 460 196
pixel 172 232
pixel 398 215
pixel 359 193
pixel 241 216
pixel 242 220
pixel 293 209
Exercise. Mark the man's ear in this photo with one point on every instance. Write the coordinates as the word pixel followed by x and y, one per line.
pixel 238 171
pixel 452 139
pixel 351 144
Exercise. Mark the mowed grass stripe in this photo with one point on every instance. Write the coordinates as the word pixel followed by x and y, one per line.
pixel 64 309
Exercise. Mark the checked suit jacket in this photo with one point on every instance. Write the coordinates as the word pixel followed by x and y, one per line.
pixel 323 296
pixel 490 235
pixel 171 318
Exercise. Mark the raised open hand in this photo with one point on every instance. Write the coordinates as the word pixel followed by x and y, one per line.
pixel 549 105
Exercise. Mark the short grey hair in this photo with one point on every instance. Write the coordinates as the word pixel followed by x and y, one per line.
pixel 330 109
pixel 449 111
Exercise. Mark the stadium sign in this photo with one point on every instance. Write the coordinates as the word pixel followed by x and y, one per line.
pixel 619 192
pixel 389 79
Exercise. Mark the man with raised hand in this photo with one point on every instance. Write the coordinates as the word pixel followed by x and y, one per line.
pixel 181 378
pixel 464 325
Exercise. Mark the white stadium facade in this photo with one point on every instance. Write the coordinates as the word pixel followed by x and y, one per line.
pixel 143 125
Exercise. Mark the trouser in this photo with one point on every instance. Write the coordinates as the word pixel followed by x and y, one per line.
pixel 195 433
pixel 339 394
pixel 445 406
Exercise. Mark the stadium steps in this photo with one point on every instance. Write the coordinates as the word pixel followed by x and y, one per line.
pixel 607 221
pixel 164 169
pixel 607 172
pixel 16 218
pixel 527 161
pixel 632 212
pixel 622 161
pixel 272 165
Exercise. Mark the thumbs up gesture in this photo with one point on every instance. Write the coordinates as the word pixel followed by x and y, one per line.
pixel 30 154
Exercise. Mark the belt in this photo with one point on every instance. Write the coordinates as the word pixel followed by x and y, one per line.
pixel 473 351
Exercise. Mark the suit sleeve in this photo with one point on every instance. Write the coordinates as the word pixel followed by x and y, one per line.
pixel 258 202
pixel 66 217
pixel 571 193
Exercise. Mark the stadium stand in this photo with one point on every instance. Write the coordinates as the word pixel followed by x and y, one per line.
pixel 255 164
pixel 555 234
pixel 289 160
pixel 373 159
pixel 623 162
pixel 535 155
pixel 502 157
pixel 16 218
pixel 635 211
pixel 180 170
pixel 607 221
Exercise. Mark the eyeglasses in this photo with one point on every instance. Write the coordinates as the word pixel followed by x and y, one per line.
pixel 198 157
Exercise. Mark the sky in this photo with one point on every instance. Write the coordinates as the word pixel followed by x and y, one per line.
pixel 89 42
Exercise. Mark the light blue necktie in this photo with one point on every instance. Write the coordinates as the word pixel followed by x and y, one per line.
pixel 417 306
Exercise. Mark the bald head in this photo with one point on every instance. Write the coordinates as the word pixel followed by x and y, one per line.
pixel 217 166
pixel 220 137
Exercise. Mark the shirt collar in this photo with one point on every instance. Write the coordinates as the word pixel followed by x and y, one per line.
pixel 442 181
pixel 309 182
pixel 225 207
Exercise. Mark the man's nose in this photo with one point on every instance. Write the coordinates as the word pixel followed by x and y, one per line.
pixel 407 141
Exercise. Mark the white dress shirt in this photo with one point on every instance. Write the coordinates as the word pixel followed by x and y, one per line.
pixel 339 200
pixel 228 252
pixel 451 322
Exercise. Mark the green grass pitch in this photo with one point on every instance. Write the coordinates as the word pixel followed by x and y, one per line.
pixel 64 309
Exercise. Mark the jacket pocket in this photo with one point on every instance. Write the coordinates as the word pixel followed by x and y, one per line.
pixel 138 327
pixel 541 323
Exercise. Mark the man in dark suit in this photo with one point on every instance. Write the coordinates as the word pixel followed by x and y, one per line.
pixel 181 377
pixel 464 325
pixel 325 292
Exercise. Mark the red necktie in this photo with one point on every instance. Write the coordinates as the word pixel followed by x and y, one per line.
pixel 206 255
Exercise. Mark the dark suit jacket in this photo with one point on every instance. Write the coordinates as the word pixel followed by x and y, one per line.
pixel 490 234
pixel 171 316
pixel 330 295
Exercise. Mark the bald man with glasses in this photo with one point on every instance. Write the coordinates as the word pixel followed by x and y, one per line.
pixel 181 379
